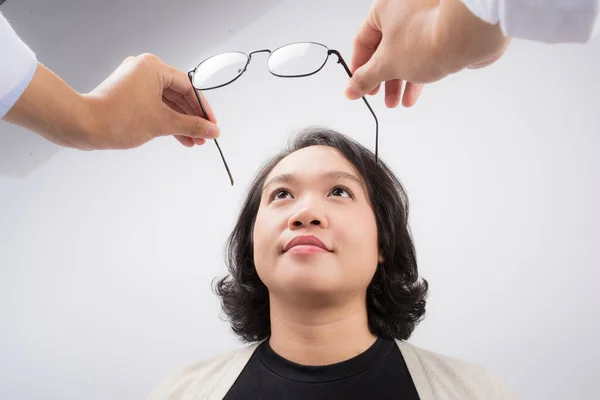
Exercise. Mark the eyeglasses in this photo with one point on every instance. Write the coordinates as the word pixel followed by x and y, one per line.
pixel 294 60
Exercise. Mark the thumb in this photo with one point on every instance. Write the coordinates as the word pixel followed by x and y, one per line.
pixel 367 77
pixel 191 126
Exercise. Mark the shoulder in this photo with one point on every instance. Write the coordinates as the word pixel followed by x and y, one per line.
pixel 454 377
pixel 203 376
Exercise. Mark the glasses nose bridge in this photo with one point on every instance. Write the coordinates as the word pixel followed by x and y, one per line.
pixel 257 52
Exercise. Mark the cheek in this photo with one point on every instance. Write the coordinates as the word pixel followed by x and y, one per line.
pixel 363 232
pixel 258 238
pixel 360 243
pixel 265 240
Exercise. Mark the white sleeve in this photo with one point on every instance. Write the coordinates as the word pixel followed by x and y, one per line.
pixel 549 21
pixel 17 66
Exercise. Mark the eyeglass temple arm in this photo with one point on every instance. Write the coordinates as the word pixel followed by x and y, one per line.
pixel 205 116
pixel 341 61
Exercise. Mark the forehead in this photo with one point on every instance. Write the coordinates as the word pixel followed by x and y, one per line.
pixel 313 161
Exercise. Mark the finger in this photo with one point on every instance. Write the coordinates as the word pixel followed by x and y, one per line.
pixel 393 90
pixel 177 81
pixel 177 99
pixel 184 140
pixel 188 125
pixel 178 106
pixel 190 142
pixel 207 107
pixel 365 43
pixel 367 77
pixel 375 91
pixel 172 105
pixel 412 91
pixel 192 102
pixel 177 103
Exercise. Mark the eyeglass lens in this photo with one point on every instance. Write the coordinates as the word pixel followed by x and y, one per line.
pixel 219 70
pixel 297 59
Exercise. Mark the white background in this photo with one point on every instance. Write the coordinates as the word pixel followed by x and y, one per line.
pixel 107 258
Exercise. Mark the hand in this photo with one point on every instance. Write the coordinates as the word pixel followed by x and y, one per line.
pixel 145 98
pixel 417 42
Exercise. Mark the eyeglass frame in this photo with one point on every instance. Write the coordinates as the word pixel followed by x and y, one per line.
pixel 248 59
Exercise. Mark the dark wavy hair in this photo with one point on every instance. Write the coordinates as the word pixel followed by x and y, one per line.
pixel 396 296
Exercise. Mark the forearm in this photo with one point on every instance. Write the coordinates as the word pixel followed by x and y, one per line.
pixel 51 108
pixel 462 39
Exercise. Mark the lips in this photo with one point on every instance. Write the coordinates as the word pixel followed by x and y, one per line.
pixel 307 240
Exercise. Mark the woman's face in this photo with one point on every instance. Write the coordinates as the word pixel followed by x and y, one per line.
pixel 315 231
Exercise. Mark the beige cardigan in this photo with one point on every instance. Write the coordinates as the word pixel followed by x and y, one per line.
pixel 436 377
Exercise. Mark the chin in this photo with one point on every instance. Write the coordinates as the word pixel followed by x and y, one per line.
pixel 317 278
pixel 307 279
pixel 314 268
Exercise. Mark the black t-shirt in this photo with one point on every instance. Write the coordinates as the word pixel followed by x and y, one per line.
pixel 378 373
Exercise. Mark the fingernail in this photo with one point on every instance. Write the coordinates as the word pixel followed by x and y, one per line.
pixel 351 93
pixel 212 133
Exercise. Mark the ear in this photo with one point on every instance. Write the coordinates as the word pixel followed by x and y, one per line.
pixel 380 258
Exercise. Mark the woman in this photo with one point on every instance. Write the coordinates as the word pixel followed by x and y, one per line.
pixel 324 285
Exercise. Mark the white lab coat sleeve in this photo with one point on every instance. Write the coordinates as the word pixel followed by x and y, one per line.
pixel 17 66
pixel 547 21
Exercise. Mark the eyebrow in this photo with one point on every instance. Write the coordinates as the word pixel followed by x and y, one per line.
pixel 332 175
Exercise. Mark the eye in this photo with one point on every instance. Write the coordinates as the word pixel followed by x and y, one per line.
pixel 340 191
pixel 280 194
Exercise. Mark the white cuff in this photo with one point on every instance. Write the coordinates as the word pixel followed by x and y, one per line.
pixel 549 21
pixel 17 67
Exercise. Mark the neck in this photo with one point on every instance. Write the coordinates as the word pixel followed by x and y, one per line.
pixel 319 335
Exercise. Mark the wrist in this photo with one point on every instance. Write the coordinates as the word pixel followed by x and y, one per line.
pixel 80 127
pixel 461 39
pixel 92 123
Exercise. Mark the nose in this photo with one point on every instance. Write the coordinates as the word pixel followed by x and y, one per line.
pixel 307 216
